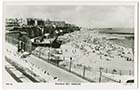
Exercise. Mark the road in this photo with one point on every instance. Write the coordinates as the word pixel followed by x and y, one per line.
pixel 51 69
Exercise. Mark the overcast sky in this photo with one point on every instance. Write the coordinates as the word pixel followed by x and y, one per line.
pixel 85 16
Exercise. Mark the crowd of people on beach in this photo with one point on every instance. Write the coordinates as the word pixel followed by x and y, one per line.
pixel 91 42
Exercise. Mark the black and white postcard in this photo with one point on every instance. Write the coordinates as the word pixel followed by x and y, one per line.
pixel 70 44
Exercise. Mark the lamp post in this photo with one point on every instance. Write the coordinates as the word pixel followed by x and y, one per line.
pixel 49 51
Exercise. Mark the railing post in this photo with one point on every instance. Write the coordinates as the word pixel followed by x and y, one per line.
pixel 129 72
pixel 70 66
pixel 49 56
pixel 100 77
pixel 106 70
pixel 57 62
pixel 120 72
pixel 84 70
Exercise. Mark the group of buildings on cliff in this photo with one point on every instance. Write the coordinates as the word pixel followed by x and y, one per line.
pixel 25 29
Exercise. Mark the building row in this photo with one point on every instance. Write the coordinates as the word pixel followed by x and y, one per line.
pixel 20 22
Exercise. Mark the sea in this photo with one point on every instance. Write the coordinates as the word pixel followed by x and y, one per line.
pixel 121 36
